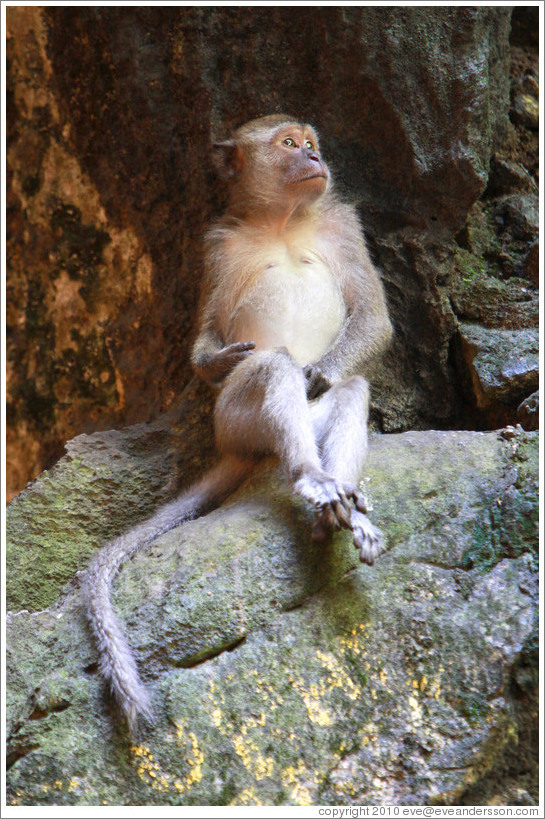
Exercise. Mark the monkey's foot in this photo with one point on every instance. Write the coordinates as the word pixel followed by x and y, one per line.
pixel 330 498
pixel 367 538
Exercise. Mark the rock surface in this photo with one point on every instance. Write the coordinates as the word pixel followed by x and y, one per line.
pixel 504 365
pixel 110 116
pixel 283 672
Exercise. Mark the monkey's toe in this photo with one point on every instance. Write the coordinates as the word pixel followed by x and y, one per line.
pixel 357 497
pixel 367 538
pixel 327 496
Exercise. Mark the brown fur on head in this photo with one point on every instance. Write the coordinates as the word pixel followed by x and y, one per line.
pixel 272 163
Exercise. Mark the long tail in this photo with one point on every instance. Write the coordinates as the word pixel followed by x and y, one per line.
pixel 116 661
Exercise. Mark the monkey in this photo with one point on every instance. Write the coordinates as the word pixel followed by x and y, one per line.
pixel 292 312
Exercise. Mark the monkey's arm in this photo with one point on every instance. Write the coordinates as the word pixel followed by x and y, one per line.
pixel 365 334
pixel 212 360
pixel 367 329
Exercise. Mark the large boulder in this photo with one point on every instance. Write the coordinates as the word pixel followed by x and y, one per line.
pixel 111 112
pixel 282 672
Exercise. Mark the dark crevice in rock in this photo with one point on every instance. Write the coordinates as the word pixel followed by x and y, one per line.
pixel 42 713
pixel 209 654
pixel 19 753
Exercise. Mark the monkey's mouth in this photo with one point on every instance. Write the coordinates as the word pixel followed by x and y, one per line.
pixel 319 175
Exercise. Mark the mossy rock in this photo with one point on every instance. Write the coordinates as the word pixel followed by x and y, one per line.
pixel 284 673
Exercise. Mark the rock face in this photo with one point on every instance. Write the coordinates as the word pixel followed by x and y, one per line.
pixel 111 112
pixel 283 672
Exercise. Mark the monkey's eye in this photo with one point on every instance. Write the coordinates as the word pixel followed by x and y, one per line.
pixel 290 142
pixel 309 145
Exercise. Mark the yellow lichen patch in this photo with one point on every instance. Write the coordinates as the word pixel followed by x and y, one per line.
pixel 435 686
pixel 416 710
pixel 338 677
pixel 369 733
pixel 355 642
pixel 253 760
pixel 290 773
pixel 194 759
pixel 316 712
pixel 271 698
pixel 73 785
pixel 431 688
pixel 291 776
pixel 148 769
pixel 217 717
pixel 246 740
pixel 301 796
pixel 246 797
pixel 344 789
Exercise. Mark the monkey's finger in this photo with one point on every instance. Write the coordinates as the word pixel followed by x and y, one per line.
pixel 361 543
pixel 360 503
pixel 239 347
pixel 366 557
pixel 328 518
pixel 237 357
pixel 357 498
pixel 342 515
pixel 344 498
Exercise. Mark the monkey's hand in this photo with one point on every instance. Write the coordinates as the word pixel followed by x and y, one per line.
pixel 317 383
pixel 220 364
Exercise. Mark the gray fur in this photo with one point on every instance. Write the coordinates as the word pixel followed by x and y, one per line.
pixel 116 661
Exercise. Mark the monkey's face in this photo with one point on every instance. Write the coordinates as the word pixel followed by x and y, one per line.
pixel 303 173
pixel 273 164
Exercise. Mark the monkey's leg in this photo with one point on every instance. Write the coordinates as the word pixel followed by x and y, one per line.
pixel 116 661
pixel 263 409
pixel 340 425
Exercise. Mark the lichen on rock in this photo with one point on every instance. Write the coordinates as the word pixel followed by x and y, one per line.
pixel 281 671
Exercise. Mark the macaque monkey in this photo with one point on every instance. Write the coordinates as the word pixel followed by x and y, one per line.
pixel 292 311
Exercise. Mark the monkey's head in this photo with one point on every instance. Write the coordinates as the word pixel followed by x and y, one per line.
pixel 272 162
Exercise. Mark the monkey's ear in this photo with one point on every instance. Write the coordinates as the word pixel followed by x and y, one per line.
pixel 228 158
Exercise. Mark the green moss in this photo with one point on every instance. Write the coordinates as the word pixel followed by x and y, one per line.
pixel 469 266
pixel 473 707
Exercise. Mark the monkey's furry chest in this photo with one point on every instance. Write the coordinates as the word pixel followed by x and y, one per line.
pixel 291 301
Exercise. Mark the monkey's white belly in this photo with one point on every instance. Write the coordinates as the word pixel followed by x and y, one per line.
pixel 291 303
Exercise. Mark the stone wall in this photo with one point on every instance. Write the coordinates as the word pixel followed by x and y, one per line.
pixel 111 112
